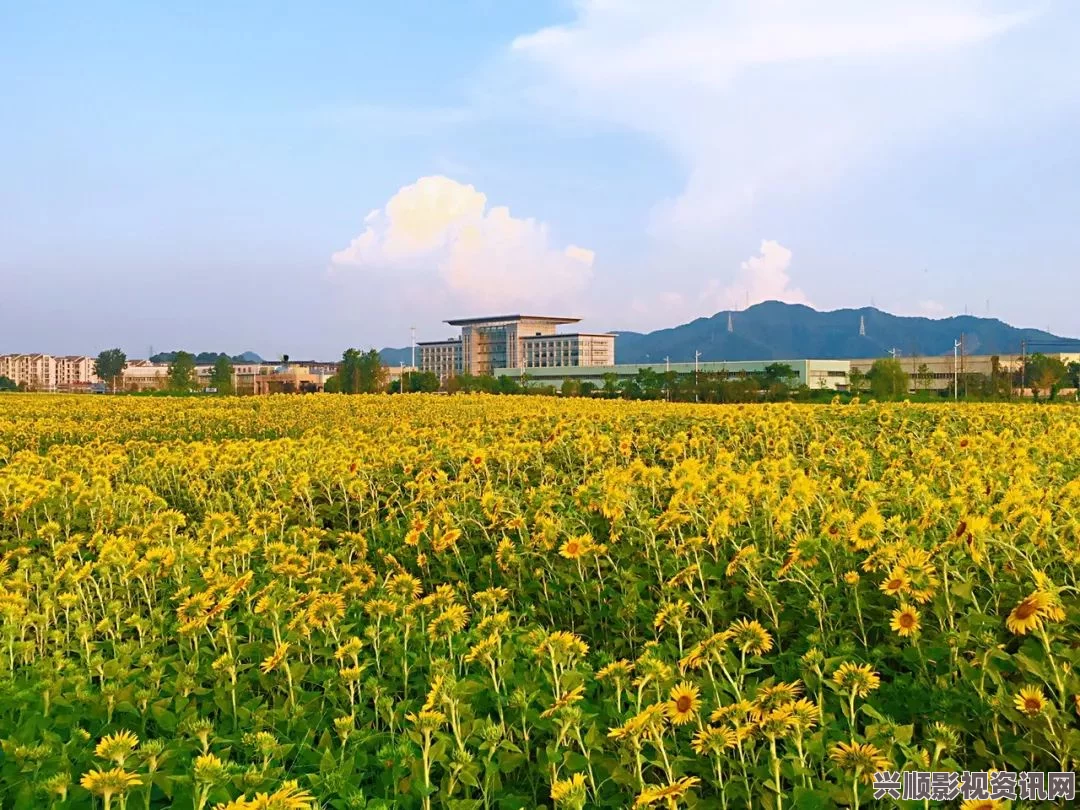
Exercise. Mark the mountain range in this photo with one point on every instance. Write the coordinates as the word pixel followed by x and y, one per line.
pixel 773 330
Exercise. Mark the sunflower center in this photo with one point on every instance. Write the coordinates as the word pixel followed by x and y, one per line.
pixel 895 584
pixel 684 703
pixel 571 548
pixel 1032 705
pixel 1025 609
pixel 907 620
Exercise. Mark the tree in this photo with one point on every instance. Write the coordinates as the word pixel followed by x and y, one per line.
pixel 922 377
pixel 779 373
pixel 7 384
pixel 109 365
pixel 332 385
pixel 361 372
pixel 1074 374
pixel 182 373
pixel 1044 373
pixel 855 381
pixel 888 380
pixel 221 377
pixel 422 382
pixel 611 384
pixel 570 388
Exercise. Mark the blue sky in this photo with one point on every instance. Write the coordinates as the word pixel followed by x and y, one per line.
pixel 304 177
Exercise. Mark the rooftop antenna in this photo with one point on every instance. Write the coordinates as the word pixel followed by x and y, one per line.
pixel 730 323
pixel 862 326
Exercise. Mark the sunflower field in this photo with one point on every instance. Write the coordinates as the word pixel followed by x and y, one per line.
pixel 483 602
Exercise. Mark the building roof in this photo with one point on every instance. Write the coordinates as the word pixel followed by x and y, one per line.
pixel 438 342
pixel 510 319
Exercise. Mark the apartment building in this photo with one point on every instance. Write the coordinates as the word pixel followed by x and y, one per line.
pixel 37 372
pixel 75 372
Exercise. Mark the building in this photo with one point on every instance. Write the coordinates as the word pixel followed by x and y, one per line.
pixel 293 378
pixel 75 372
pixel 442 357
pixel 36 372
pixel 142 375
pixel 558 350
pixel 514 342
pixel 936 372
pixel 817 374
pixel 395 373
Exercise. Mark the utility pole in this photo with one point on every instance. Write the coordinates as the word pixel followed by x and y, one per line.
pixel 955 370
pixel 1023 367
pixel 667 381
pixel 963 368
pixel 697 356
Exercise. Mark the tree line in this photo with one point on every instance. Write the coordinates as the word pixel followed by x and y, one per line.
pixel 363 372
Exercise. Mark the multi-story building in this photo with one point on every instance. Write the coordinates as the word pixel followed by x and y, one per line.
pixel 578 349
pixel 514 342
pixel 75 372
pixel 37 372
pixel 443 357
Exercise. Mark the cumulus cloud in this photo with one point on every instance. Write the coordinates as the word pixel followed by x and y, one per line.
pixel 480 254
pixel 760 98
pixel 763 277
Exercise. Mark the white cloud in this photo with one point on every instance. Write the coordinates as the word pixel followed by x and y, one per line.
pixel 480 256
pixel 764 99
pixel 761 278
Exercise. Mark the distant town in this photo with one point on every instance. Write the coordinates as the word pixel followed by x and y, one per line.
pixel 521 353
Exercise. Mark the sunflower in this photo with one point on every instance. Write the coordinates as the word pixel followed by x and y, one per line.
pixel 905 621
pixel 576 547
pixel 116 747
pixel 273 661
pixel 684 703
pixel 617 671
pixel 866 531
pixel 858 679
pixel 569 792
pixel 862 758
pixel 769 697
pixel 804 715
pixel 668 794
pixel 712 740
pixel 982 804
pixel 896 583
pixel 1028 615
pixel 1031 701
pixel 109 783
pixel 750 637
